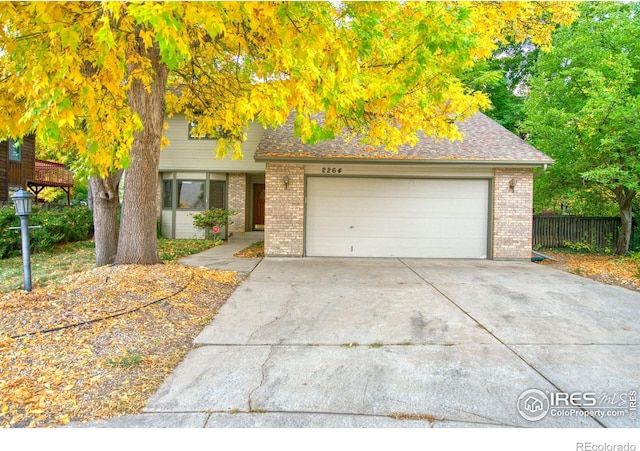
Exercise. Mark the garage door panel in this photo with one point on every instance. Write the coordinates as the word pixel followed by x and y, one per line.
pixel 412 247
pixel 399 188
pixel 371 207
pixel 415 228
pixel 364 217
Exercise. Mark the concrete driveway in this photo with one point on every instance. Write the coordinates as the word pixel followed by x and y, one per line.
pixel 329 342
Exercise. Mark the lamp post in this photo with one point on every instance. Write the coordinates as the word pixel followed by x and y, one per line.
pixel 22 201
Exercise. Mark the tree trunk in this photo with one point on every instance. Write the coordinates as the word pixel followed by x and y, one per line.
pixel 625 197
pixel 89 196
pixel 138 242
pixel 105 199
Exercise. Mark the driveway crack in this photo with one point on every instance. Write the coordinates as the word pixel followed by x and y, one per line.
pixel 364 393
pixel 287 307
pixel 262 369
pixel 513 351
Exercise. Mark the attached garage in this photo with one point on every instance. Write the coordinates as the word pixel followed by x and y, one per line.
pixel 397 217
pixel 470 198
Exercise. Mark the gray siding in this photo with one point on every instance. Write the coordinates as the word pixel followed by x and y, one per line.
pixel 184 226
pixel 187 154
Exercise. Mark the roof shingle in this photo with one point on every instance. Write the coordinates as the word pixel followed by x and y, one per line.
pixel 484 141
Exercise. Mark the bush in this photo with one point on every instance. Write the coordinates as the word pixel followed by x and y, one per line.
pixel 582 247
pixel 207 219
pixel 58 226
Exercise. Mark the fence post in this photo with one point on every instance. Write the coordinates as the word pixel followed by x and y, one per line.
pixel 556 230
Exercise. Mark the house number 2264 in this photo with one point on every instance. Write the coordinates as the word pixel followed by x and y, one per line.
pixel 331 170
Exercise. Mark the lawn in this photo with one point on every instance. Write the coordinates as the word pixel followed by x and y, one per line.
pixel 74 257
pixel 605 268
pixel 90 343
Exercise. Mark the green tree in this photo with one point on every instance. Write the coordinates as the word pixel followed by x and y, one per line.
pixel 504 78
pixel 584 104
pixel 100 76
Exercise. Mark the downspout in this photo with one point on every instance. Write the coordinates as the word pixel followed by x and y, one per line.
pixel 545 166
pixel 539 256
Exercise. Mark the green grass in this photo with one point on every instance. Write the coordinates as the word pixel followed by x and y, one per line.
pixel 67 259
pixel 172 250
pixel 256 245
pixel 47 266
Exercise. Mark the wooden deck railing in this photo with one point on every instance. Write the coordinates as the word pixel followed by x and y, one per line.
pixel 49 173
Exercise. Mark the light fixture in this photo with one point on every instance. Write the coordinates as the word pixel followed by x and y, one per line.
pixel 286 182
pixel 22 200
pixel 512 184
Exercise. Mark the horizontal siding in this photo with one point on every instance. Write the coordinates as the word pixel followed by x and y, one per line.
pixel 187 154
pixel 167 224
pixel 185 227
pixel 397 170
pixel 28 159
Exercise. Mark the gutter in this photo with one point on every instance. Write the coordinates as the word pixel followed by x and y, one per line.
pixel 310 160
pixel 544 169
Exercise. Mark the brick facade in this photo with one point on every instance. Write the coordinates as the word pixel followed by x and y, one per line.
pixel 238 201
pixel 284 216
pixel 512 213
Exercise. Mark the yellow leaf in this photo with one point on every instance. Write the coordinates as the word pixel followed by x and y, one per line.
pixel 147 37
pixel 66 117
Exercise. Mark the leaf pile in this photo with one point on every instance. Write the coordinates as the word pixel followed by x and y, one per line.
pixel 255 250
pixel 117 332
pixel 609 269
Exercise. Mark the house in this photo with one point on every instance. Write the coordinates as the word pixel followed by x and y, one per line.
pixel 19 168
pixel 192 180
pixel 17 165
pixel 439 199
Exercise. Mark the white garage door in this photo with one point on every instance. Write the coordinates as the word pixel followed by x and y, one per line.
pixel 378 217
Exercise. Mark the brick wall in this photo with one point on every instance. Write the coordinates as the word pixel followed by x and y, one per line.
pixel 284 215
pixel 238 201
pixel 512 214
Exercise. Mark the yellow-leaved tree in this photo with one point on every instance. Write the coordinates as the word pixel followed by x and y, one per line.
pixel 100 77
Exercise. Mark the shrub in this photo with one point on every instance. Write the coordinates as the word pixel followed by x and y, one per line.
pixel 582 247
pixel 207 219
pixel 57 226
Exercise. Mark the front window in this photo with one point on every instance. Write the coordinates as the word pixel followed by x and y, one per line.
pixel 217 194
pixel 15 150
pixel 191 195
pixel 218 134
pixel 167 193
pixel 192 127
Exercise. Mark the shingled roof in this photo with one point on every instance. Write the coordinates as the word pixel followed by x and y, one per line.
pixel 485 141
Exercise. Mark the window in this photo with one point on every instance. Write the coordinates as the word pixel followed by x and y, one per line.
pixel 191 194
pixel 15 150
pixel 167 193
pixel 220 133
pixel 194 124
pixel 217 194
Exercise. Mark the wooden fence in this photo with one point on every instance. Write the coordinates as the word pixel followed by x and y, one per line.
pixel 555 231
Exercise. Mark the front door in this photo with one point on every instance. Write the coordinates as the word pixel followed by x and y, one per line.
pixel 258 206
